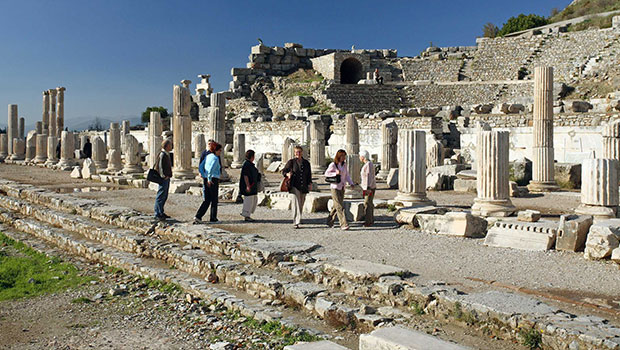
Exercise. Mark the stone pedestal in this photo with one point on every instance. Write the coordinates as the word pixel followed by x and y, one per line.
pixel 99 153
pixel 599 188
pixel 41 149
pixel 389 154
pixel 67 143
pixel 155 138
pixel 238 151
pixel 412 169
pixel 52 143
pixel 31 145
pixel 200 145
pixel 12 129
pixel 4 152
pixel 60 108
pixel 182 135
pixel 543 177
pixel 115 163
pixel 317 146
pixel 53 129
pixel 132 156
pixel 19 149
pixel 492 170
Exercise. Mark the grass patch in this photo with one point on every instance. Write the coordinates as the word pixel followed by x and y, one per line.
pixel 164 287
pixel 304 76
pixel 416 308
pixel 391 208
pixel 596 22
pixel 81 300
pixel 461 315
pixel 29 273
pixel 531 338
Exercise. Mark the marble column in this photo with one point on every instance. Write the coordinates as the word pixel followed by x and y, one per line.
pixel 115 137
pixel 21 128
pixel 53 128
pixel 611 141
pixel 67 150
pixel 132 156
pixel 125 129
pixel 492 175
pixel 115 163
pixel 353 159
pixel 38 127
pixel 543 178
pixel 317 146
pixel 288 144
pixel 217 118
pixel 19 149
pixel 155 138
pixel 182 134
pixel 200 145
pixel 4 149
pixel 60 108
pixel 599 188
pixel 389 151
pixel 46 112
pixel 41 149
pixel 31 145
pixel 412 169
pixel 434 152
pixel 12 129
pixel 52 143
pixel 238 151
pixel 99 153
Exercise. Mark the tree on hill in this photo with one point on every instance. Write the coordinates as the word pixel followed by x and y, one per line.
pixel 490 30
pixel 146 115
pixel 522 22
pixel 96 125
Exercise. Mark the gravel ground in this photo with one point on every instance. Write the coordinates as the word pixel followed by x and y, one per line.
pixel 452 259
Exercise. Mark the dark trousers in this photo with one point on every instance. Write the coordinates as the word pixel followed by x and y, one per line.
pixel 162 196
pixel 210 198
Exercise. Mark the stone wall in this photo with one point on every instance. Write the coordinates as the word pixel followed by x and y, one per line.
pixel 428 69
pixel 268 137
pixel 501 58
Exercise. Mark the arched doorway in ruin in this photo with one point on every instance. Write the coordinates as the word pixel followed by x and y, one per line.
pixel 351 71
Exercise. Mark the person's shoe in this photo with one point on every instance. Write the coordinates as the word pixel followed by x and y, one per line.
pixel 216 221
pixel 329 223
pixel 296 226
pixel 166 216
pixel 160 218
pixel 248 219
pixel 346 228
pixel 197 221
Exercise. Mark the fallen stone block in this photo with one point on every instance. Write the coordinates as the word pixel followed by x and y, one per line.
pixel 392 179
pixel 408 215
pixel 316 202
pixel 603 238
pixel 353 209
pixel 88 168
pixel 461 224
pixel 522 235
pixel 467 174
pixel 615 255
pixel 319 345
pixel 449 170
pixel 274 167
pixel 439 182
pixel 399 338
pixel 572 232
pixel 568 175
pixel 281 201
pixel 361 270
pixel 578 106
pixel 521 171
pixel 76 173
pixel 528 215
pixel 462 185
pixel 181 186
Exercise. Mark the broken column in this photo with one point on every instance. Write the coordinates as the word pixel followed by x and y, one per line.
pixel 67 143
pixel 200 145
pixel 611 141
pixel 53 130
pixel 492 175
pixel 38 127
pixel 155 138
pixel 543 178
pixel 125 130
pixel 4 151
pixel 115 137
pixel 238 150
pixel 412 169
pixel 353 159
pixel 132 156
pixel 31 145
pixel 204 87
pixel 12 128
pixel 99 153
pixel 217 118
pixel 21 127
pixel 317 146
pixel 46 111
pixel 599 188
pixel 19 149
pixel 434 153
pixel 286 150
pixel 52 144
pixel 389 139
pixel 60 108
pixel 182 134
pixel 41 149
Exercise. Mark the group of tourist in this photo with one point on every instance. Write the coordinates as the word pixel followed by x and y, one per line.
pixel 297 172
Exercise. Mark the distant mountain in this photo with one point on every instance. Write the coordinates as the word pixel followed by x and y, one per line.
pixel 85 122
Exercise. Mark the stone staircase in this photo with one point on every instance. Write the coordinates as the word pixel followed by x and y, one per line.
pixel 465 70
pixel 594 62
pixel 364 98
pixel 526 70
pixel 287 281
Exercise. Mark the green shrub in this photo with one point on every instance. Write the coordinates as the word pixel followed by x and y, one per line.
pixel 522 22
pixel 531 338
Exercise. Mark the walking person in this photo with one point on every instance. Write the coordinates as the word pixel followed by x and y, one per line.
pixel 210 187
pixel 87 149
pixel 248 185
pixel 338 170
pixel 163 165
pixel 369 185
pixel 300 174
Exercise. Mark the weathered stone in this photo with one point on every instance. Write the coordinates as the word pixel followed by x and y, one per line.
pixel 408 215
pixel 317 146
pixel 132 156
pixel 579 106
pixel 412 169
pixel 392 179
pixel 316 202
pixel 520 235
pixel 319 345
pixel 353 209
pixel 528 215
pixel 67 142
pixel 603 238
pixel 568 175
pixel 274 167
pixel 76 173
pixel 599 191
pixel 403 339
pixel 461 224
pixel 572 232
pixel 521 171
pixel 462 185
pixel 88 168
pixel 361 270
pixel 238 151
pixel 389 150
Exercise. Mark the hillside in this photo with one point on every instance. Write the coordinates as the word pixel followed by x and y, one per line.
pixel 580 8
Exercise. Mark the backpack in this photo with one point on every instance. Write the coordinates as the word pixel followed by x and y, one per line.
pixel 201 164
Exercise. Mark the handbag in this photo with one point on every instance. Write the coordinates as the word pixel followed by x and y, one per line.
pixel 153 176
pixel 285 185
pixel 333 179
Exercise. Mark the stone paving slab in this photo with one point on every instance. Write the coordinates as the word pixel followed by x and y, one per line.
pixel 399 338
pixel 362 270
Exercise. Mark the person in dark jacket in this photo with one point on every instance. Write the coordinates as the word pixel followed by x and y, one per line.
pixel 87 149
pixel 300 174
pixel 248 185
pixel 164 167
pixel 58 146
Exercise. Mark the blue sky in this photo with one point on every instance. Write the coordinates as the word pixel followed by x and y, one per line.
pixel 117 57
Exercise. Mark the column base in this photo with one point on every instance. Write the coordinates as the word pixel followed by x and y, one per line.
pixel 598 212
pixel 185 174
pixel 113 169
pixel 66 164
pixel 132 169
pixel 383 175
pixel 411 199
pixel 548 186
pixel 40 160
pixel 17 157
pixel 51 161
pixel 493 207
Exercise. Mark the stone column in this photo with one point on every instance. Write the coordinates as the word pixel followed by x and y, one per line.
pixel 60 108
pixel 115 137
pixel 52 143
pixel 53 129
pixel 4 149
pixel 611 141
pixel 38 127
pixel 12 129
pixel 286 150
pixel 217 118
pixel 115 163
pixel 132 156
pixel 125 129
pixel 155 138
pixel 412 169
pixel 389 151
pixel 31 145
pixel 41 149
pixel 67 154
pixel 317 146
pixel 238 151
pixel 19 149
pixel 434 153
pixel 21 128
pixel 200 145
pixel 99 153
pixel 492 175
pixel 182 135
pixel 599 188
pixel 353 159
pixel 46 112
pixel 543 178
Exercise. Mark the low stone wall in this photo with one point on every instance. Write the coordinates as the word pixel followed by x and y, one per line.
pixel 268 137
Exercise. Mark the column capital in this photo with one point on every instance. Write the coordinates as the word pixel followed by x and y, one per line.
pixel 52 92
pixel 186 83
pixel 46 93
pixel 61 89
